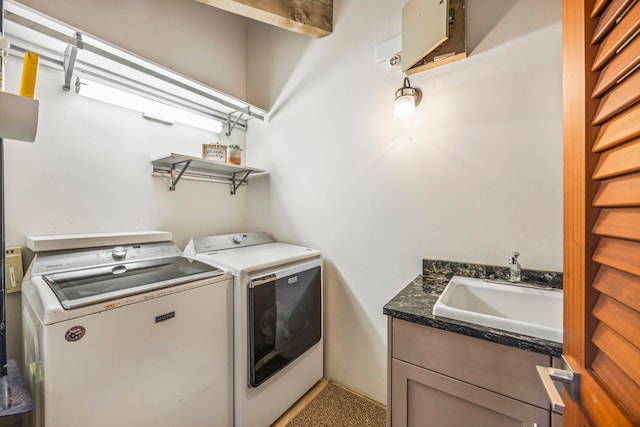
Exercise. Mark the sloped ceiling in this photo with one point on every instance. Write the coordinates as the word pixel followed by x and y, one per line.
pixel 310 17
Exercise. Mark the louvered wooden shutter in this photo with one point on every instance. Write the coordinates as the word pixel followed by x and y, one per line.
pixel 611 352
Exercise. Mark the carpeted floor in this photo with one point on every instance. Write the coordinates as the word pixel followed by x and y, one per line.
pixel 336 406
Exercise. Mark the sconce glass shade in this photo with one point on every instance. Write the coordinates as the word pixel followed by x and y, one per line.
pixel 407 99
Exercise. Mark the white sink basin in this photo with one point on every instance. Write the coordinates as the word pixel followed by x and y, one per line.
pixel 527 311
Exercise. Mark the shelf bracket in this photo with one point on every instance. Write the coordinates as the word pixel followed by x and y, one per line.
pixel 174 178
pixel 230 125
pixel 235 185
pixel 70 55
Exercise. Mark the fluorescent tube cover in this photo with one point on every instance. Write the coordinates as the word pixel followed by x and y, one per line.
pixel 144 105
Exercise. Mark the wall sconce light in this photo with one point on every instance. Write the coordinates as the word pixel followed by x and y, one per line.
pixel 407 99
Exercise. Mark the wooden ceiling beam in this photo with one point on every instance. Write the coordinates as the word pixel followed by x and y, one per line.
pixel 311 17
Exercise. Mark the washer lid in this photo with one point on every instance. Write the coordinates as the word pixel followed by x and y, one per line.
pixel 78 288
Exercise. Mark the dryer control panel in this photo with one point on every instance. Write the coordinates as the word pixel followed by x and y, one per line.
pixel 206 244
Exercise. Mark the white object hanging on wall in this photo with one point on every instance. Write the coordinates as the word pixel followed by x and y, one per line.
pixel 389 52
pixel 18 117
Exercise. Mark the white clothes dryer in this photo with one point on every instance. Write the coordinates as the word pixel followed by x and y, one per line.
pixel 132 335
pixel 278 338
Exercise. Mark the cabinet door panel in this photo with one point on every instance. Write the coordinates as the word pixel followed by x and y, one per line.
pixel 506 370
pixel 423 398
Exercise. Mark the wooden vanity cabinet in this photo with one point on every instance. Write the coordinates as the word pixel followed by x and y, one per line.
pixel 443 379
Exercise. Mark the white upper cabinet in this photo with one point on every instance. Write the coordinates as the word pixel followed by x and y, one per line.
pixel 433 33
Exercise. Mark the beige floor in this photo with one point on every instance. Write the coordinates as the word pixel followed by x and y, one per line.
pixel 301 404
pixel 306 399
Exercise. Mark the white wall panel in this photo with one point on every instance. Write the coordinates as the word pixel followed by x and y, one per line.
pixel 476 177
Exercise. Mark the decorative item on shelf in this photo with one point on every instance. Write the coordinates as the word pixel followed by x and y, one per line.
pixel 235 154
pixel 215 152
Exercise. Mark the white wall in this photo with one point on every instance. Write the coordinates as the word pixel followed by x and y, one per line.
pixel 89 170
pixel 478 176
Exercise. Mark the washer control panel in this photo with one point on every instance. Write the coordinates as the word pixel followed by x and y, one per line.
pixel 58 261
pixel 119 252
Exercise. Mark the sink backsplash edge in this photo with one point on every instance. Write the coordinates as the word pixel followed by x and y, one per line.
pixel 443 271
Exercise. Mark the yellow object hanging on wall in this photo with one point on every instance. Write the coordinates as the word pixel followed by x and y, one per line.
pixel 29 74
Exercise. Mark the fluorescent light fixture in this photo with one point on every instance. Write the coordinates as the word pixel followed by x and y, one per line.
pixel 407 99
pixel 164 93
pixel 148 107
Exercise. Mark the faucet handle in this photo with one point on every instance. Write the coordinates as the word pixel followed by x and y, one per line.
pixel 513 259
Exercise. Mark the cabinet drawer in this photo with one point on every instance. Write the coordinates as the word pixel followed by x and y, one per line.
pixel 422 398
pixel 503 369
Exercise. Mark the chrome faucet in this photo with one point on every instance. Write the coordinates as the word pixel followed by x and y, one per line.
pixel 514 268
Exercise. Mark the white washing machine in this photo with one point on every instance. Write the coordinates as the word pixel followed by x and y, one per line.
pixel 133 335
pixel 277 320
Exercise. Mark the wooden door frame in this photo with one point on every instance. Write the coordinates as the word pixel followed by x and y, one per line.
pixel 579 163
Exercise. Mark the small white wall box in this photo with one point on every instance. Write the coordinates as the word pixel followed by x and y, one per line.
pixel 433 34
pixel 390 52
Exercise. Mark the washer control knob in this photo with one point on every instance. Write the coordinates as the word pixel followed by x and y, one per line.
pixel 119 252
pixel 237 239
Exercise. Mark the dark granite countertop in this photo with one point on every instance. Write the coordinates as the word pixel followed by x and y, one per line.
pixel 415 304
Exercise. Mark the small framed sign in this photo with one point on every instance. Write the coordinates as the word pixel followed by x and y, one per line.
pixel 215 152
